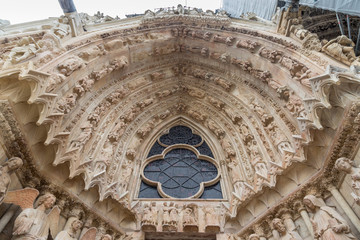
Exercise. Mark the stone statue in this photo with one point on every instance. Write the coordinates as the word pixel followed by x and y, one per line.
pixel 70 234
pixel 189 217
pixel 83 137
pixel 35 223
pixel 26 48
pixel 285 234
pixel 345 165
pixel 327 223
pixel 341 48
pixel 5 170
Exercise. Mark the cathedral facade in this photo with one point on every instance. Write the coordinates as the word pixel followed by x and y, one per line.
pixel 179 124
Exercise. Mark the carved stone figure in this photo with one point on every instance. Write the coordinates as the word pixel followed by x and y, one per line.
pixel 285 234
pixel 54 81
pixel 227 147
pixel 125 175
pixel 212 220
pixel 5 170
pixel 189 217
pixel 248 44
pixel 327 223
pixel 70 234
pixel 66 104
pixel 84 136
pixel 215 128
pixel 35 223
pixel 149 219
pixel 235 175
pixel 254 236
pixel 26 48
pixel 341 48
pixel 345 165
pixel 106 237
pixel 106 155
pixel 227 40
pixel 170 217
pixel 223 83
pixel 70 65
pixel 272 55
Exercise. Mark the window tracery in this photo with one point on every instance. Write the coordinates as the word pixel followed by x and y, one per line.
pixel 180 164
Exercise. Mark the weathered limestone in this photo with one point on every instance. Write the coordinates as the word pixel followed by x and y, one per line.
pixel 83 112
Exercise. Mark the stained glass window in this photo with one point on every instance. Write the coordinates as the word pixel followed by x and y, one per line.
pixel 180 172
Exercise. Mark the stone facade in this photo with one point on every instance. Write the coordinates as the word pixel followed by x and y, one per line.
pixel 82 112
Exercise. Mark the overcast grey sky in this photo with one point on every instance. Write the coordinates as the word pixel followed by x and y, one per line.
pixel 18 11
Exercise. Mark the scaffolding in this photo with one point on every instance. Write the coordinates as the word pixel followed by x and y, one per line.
pixel 262 8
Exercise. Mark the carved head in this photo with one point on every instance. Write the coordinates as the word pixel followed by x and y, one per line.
pixel 254 237
pixel 106 237
pixel 48 200
pixel 343 40
pixel 14 163
pixel 343 164
pixel 279 225
pixel 311 202
pixel 76 224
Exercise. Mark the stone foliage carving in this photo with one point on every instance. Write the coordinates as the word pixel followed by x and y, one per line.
pixel 327 222
pixel 345 165
pixel 5 170
pixel 36 223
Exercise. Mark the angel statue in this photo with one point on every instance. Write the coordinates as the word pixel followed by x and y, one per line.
pixel 70 234
pixel 327 223
pixel 35 223
pixel 5 170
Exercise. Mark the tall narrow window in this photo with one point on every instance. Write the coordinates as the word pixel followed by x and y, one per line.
pixel 180 165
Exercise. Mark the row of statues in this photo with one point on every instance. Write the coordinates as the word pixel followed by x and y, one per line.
pixel 37 223
pixel 327 224
pixel 43 219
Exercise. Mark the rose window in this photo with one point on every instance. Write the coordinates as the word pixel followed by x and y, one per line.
pixel 180 165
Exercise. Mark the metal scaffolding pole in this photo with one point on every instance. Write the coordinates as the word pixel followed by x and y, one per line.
pixel 340 23
pixel 357 42
pixel 348 25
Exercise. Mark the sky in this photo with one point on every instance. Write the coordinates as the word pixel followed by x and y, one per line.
pixel 19 11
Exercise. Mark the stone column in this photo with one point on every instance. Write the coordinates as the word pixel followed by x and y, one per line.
pixel 70 12
pixel 274 232
pixel 10 212
pixel 299 206
pixel 286 216
pixel 345 206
